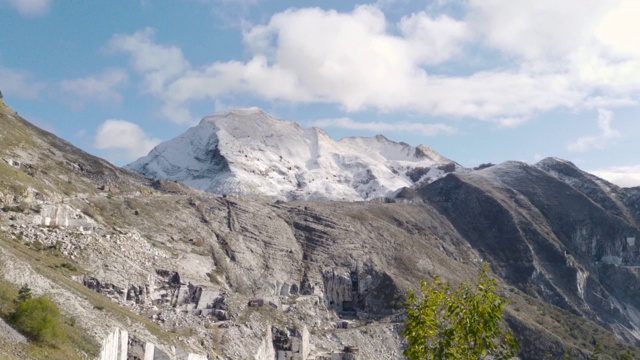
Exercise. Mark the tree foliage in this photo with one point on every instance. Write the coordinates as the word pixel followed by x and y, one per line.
pixel 461 324
pixel 38 319
pixel 24 294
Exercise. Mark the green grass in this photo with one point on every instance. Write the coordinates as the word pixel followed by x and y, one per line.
pixel 77 344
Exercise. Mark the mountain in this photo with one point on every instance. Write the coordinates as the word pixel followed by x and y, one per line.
pixel 563 234
pixel 145 268
pixel 246 152
pixel 35 160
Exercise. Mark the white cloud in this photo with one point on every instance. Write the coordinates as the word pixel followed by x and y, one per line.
pixel 510 122
pixel 607 134
pixel 19 84
pixel 160 64
pixel 31 7
pixel 619 29
pixel 350 58
pixel 558 56
pixel 123 140
pixel 590 42
pixel 313 55
pixel 379 127
pixel 434 40
pixel 100 88
pixel 625 176
pixel 536 29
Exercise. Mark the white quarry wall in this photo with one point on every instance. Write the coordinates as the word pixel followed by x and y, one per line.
pixel 306 346
pixel 114 347
pixel 266 350
pixel 61 215
pixel 148 351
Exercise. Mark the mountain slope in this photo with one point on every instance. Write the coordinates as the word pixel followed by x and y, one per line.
pixel 35 161
pixel 246 152
pixel 553 233
pixel 157 265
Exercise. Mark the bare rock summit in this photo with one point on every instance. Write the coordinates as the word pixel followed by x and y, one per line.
pixel 246 152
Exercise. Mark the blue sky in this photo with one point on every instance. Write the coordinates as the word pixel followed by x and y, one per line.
pixel 477 80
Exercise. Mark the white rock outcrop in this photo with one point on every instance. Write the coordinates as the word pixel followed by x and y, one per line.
pixel 246 152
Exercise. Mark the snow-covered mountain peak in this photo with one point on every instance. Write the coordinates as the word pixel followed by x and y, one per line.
pixel 247 152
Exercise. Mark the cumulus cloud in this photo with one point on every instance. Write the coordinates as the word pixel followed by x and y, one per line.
pixel 557 56
pixel 379 127
pixel 31 7
pixel 19 84
pixel 159 63
pixel 434 40
pixel 100 88
pixel 589 42
pixel 625 176
pixel 536 29
pixel 123 140
pixel 313 55
pixel 606 136
pixel 619 27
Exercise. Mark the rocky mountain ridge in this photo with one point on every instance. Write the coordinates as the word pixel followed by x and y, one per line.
pixel 155 269
pixel 245 152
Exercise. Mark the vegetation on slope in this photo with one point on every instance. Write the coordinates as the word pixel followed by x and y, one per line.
pixel 464 324
pixel 52 334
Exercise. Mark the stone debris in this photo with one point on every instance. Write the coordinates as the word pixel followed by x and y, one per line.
pixel 195 295
pixel 11 335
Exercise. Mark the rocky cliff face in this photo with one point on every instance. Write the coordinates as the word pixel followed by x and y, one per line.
pixel 552 231
pixel 188 274
pixel 248 153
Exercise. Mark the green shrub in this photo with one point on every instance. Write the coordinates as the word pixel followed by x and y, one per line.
pixel 39 319
pixel 461 324
pixel 37 245
pixel 16 208
pixel 69 266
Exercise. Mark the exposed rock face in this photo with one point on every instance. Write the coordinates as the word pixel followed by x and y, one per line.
pixel 115 346
pixel 246 152
pixel 62 215
pixel 266 351
pixel 164 291
pixel 11 335
pixel 120 345
pixel 216 275
pixel 290 343
pixel 550 229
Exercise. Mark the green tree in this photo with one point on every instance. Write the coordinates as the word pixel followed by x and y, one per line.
pixel 39 319
pixel 461 324
pixel 24 294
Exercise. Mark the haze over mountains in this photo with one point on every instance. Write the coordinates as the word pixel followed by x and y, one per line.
pixel 156 267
